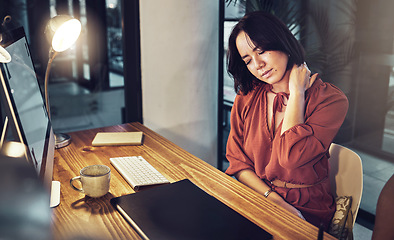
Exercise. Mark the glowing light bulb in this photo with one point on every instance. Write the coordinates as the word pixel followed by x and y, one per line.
pixel 66 35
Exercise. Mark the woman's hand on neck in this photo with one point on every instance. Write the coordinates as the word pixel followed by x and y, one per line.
pixel 300 79
pixel 297 79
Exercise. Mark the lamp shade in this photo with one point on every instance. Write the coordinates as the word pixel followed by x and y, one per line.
pixel 13 149
pixel 5 57
pixel 62 31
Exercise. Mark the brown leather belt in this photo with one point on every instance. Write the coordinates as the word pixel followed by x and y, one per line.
pixel 283 184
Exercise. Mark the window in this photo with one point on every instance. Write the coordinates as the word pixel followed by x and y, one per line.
pixel 86 81
pixel 115 45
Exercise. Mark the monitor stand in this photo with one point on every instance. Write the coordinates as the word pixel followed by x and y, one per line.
pixel 62 140
pixel 55 194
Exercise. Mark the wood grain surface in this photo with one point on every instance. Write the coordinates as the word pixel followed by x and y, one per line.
pixel 80 217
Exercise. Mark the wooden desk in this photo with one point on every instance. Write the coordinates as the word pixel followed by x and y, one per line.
pixel 78 216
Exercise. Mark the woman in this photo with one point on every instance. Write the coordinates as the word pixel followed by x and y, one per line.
pixel 283 120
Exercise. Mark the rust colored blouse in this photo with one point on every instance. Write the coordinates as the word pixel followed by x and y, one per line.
pixel 299 155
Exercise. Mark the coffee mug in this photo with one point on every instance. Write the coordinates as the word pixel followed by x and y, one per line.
pixel 94 179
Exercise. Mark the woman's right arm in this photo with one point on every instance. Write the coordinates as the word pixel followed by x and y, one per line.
pixel 250 179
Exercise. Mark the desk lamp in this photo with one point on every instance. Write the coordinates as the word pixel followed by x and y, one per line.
pixel 5 57
pixel 61 31
pixel 13 150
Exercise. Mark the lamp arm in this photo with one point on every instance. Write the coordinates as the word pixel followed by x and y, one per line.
pixel 52 55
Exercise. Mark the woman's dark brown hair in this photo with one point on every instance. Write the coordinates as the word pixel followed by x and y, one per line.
pixel 269 34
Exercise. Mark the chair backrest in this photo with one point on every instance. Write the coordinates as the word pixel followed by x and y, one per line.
pixel 346 175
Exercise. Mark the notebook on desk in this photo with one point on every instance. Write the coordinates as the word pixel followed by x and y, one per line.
pixel 182 210
pixel 117 139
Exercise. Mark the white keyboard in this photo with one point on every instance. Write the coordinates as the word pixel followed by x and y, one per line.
pixel 137 171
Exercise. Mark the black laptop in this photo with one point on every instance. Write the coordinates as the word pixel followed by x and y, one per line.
pixel 182 210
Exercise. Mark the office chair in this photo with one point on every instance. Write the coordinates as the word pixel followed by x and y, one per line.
pixel 346 175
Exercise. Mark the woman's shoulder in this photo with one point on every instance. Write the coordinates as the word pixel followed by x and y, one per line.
pixel 257 90
pixel 324 90
pixel 243 102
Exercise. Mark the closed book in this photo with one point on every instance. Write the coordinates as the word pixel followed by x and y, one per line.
pixel 117 139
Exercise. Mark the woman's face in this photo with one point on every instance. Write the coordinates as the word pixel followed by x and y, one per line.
pixel 267 66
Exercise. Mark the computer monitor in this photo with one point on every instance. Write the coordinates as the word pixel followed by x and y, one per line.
pixel 24 106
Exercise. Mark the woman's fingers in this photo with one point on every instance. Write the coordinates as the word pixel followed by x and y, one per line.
pixel 304 71
pixel 307 71
pixel 299 78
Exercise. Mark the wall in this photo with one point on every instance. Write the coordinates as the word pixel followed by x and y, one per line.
pixel 179 68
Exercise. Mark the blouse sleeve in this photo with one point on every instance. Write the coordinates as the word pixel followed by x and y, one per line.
pixel 234 151
pixel 326 108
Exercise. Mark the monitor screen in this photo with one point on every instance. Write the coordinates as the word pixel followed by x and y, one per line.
pixel 24 104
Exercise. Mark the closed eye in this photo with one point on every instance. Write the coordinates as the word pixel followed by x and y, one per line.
pixel 247 59
pixel 259 51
